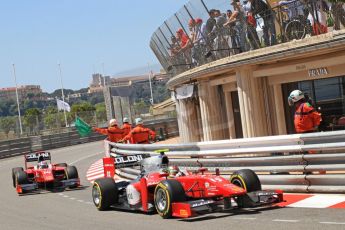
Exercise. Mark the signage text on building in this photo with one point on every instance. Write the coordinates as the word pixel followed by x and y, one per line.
pixel 317 72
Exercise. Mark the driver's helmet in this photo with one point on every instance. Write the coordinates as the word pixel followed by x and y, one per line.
pixel 173 170
pixel 43 165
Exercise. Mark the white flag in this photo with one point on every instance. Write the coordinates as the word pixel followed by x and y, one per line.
pixel 63 105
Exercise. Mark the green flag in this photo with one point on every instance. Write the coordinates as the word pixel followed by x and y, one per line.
pixel 83 128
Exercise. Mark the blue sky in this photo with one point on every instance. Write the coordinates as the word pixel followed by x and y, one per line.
pixel 80 34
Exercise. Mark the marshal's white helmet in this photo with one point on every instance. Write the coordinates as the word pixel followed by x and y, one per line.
pixel 112 122
pixel 125 120
pixel 295 96
pixel 138 121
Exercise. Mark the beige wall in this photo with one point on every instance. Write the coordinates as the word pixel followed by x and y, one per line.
pixel 260 98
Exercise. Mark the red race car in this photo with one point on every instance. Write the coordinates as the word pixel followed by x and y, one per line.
pixel 43 174
pixel 173 193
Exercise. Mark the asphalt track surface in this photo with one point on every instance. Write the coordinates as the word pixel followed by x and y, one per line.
pixel 73 209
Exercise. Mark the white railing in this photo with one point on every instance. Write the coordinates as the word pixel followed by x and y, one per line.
pixel 283 162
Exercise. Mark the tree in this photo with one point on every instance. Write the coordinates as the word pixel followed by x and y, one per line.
pixel 101 113
pixel 32 118
pixel 141 107
pixel 84 110
pixel 7 123
pixel 52 118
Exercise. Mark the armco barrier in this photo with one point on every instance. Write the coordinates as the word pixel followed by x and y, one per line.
pixel 294 163
pixel 23 145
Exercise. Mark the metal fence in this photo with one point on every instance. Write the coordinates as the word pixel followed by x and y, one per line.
pixel 206 30
pixel 45 124
pixel 295 163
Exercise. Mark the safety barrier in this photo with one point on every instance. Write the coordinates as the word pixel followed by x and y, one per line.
pixel 21 146
pixel 283 162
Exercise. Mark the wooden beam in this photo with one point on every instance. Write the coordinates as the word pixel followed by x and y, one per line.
pixel 223 80
pixel 230 87
pixel 297 66
pixel 333 71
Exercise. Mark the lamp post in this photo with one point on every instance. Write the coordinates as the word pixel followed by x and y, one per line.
pixel 63 95
pixel 150 72
pixel 19 117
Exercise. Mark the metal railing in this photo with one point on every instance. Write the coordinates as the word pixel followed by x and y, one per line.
pixel 203 31
pixel 295 163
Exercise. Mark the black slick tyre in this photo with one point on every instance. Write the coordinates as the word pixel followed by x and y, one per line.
pixel 167 192
pixel 14 170
pixel 247 179
pixel 21 178
pixel 104 193
pixel 71 172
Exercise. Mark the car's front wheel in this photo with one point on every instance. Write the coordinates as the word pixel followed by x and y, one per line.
pixel 14 170
pixel 247 179
pixel 104 193
pixel 167 192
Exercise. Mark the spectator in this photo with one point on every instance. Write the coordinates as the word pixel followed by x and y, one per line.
pixel 294 8
pixel 259 7
pixel 317 16
pixel 114 133
pixel 252 34
pixel 221 44
pixel 184 44
pixel 238 16
pixel 140 134
pixel 338 13
pixel 232 33
pixel 210 27
pixel 199 42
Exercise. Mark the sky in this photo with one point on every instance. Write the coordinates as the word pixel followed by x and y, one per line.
pixel 81 35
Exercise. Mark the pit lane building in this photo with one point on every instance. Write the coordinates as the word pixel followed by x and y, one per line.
pixel 245 95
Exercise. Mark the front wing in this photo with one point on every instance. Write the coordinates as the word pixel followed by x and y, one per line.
pixel 249 200
pixel 34 186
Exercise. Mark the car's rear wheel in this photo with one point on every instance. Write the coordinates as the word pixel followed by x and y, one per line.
pixel 104 193
pixel 167 192
pixel 247 179
pixel 14 170
pixel 71 172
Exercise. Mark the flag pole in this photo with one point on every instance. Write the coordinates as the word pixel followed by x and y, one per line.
pixel 150 72
pixel 19 116
pixel 63 96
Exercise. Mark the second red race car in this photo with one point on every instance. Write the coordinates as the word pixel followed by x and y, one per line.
pixel 173 193
pixel 43 174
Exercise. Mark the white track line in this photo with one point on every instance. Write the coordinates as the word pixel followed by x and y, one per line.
pixel 290 221
pixel 336 223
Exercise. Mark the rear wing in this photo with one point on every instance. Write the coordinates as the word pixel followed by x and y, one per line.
pixel 37 156
pixel 124 161
pixel 117 161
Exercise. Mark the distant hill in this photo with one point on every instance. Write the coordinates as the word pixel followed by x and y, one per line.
pixel 140 70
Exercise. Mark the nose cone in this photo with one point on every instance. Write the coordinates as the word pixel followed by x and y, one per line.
pixel 48 176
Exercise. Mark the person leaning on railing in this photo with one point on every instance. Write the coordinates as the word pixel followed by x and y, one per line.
pixel 126 127
pixel 338 13
pixel 114 132
pixel 140 134
pixel 259 7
